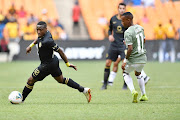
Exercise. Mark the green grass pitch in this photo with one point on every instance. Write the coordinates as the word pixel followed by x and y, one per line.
pixel 52 101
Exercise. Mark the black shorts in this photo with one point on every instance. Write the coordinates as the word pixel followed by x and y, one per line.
pixel 114 54
pixel 45 69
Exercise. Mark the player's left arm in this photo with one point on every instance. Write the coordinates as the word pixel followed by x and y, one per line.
pixel 130 48
pixel 56 48
pixel 63 56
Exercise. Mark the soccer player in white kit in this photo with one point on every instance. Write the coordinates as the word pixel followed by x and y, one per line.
pixel 135 57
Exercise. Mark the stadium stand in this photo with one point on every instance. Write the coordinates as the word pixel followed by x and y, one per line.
pixel 23 9
pixel 18 20
pixel 162 12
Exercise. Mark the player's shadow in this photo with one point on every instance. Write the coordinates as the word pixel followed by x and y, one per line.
pixel 56 103
pixel 85 103
pixel 99 103
pixel 161 103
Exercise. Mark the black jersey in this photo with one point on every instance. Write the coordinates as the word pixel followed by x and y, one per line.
pixel 116 28
pixel 46 47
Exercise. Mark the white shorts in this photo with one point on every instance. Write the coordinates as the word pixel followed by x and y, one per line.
pixel 132 67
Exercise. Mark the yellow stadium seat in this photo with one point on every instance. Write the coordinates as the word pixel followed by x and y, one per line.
pixel 91 17
pixel 177 8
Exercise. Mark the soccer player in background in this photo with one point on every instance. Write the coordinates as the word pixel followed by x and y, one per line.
pixel 116 50
pixel 50 63
pixel 135 57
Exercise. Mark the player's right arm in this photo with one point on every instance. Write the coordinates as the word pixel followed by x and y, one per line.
pixel 111 38
pixel 28 49
pixel 129 44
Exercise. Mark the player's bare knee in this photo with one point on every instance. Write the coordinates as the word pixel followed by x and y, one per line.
pixel 125 74
pixel 59 79
pixel 31 81
pixel 115 68
pixel 118 60
pixel 108 63
pixel 116 64
pixel 137 73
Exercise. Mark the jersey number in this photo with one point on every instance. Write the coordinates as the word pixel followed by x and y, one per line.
pixel 140 42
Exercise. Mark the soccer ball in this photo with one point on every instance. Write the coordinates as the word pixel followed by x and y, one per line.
pixel 15 97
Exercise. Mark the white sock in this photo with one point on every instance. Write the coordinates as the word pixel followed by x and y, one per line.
pixel 141 84
pixel 143 74
pixel 112 76
pixel 129 81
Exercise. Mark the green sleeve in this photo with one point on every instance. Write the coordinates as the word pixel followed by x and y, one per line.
pixel 128 38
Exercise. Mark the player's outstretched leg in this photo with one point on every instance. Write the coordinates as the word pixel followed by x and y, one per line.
pixel 129 82
pixel 28 88
pixel 146 78
pixel 69 82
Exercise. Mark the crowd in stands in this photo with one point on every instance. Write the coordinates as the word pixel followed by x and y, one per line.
pixel 167 34
pixel 165 31
pixel 18 24
pixel 143 20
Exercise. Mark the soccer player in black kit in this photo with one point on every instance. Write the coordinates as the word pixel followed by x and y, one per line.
pixel 50 63
pixel 117 47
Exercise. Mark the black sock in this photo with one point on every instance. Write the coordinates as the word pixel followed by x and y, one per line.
pixel 27 89
pixel 106 74
pixel 69 82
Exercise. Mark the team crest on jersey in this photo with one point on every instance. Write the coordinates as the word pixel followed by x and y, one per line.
pixel 40 44
pixel 119 29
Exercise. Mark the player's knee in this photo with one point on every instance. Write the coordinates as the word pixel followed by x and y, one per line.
pixel 116 64
pixel 118 60
pixel 139 76
pixel 115 68
pixel 137 73
pixel 108 63
pixel 59 80
pixel 125 74
pixel 31 81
